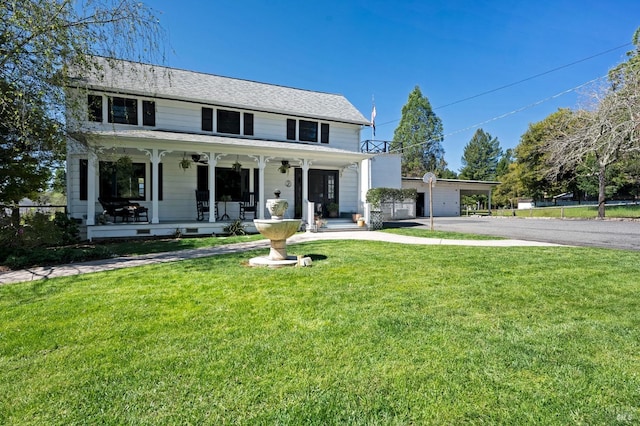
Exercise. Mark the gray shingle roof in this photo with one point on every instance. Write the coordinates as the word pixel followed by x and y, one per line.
pixel 157 81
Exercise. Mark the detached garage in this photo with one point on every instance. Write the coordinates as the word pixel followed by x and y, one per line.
pixel 446 194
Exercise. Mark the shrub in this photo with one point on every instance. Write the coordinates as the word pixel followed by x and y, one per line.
pixel 235 228
pixel 36 231
pixel 378 196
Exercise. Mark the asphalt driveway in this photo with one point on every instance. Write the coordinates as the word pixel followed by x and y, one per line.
pixel 618 234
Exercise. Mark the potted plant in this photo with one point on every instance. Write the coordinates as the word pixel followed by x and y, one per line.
pixel 284 166
pixel 236 166
pixel 333 208
pixel 185 163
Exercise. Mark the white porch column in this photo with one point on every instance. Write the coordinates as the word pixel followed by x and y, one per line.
pixel 359 202
pixel 305 191
pixel 262 162
pixel 155 186
pixel 92 162
pixel 213 161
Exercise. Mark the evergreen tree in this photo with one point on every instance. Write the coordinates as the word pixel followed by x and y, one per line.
pixel 503 165
pixel 418 137
pixel 481 156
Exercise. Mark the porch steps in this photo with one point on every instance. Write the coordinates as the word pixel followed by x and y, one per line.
pixel 336 225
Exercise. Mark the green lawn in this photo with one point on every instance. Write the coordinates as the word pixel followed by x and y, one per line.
pixel 372 333
pixel 575 212
pixel 445 235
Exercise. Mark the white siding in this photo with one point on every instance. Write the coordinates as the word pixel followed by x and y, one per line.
pixel 385 171
pixel 349 191
pixel 180 116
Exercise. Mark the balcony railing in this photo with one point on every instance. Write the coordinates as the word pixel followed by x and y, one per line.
pixel 375 146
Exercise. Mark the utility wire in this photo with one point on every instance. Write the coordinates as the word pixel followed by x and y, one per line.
pixel 523 80
pixel 515 111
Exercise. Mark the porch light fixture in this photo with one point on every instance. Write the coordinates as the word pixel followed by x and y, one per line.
pixel 236 166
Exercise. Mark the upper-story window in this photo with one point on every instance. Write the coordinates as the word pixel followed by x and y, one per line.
pixel 307 131
pixel 228 121
pixel 248 123
pixel 94 108
pixel 148 113
pixel 123 110
pixel 324 133
pixel 207 119
pixel 291 129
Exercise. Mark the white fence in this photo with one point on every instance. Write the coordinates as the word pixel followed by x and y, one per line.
pixel 399 210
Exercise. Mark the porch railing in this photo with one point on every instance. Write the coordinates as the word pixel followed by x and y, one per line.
pixel 37 208
pixel 375 146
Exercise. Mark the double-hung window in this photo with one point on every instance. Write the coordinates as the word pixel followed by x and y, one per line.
pixel 94 108
pixel 148 113
pixel 123 110
pixel 228 121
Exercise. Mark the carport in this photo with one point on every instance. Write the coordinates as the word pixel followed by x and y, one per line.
pixel 447 194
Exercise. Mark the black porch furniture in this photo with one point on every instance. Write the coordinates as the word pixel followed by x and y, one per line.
pixel 249 203
pixel 124 208
pixel 202 205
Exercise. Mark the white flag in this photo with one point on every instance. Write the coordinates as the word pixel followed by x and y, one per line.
pixel 373 119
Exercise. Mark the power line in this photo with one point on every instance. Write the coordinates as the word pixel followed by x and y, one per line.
pixel 534 76
pixel 515 111
pixel 523 80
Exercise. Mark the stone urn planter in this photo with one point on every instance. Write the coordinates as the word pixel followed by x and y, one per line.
pixel 277 206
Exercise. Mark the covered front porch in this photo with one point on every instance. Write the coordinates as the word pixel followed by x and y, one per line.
pixel 169 168
pixel 192 228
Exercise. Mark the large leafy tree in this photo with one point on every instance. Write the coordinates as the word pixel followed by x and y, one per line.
pixel 480 157
pixel 532 157
pixel 607 131
pixel 40 41
pixel 419 137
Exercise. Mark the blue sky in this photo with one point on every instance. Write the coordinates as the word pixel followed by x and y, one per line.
pixel 453 50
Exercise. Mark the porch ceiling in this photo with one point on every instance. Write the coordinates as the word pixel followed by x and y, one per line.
pixel 180 142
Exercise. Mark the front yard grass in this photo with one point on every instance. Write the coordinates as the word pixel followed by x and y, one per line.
pixel 372 333
pixel 628 211
pixel 445 235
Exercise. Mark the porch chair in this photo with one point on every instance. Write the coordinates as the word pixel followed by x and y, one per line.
pixel 249 203
pixel 202 205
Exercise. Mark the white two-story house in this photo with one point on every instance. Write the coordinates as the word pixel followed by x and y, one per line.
pixel 155 135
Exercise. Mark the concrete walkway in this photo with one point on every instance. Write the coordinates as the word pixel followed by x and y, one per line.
pixel 40 273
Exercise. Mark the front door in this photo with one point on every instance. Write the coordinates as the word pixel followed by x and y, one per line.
pixel 323 189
